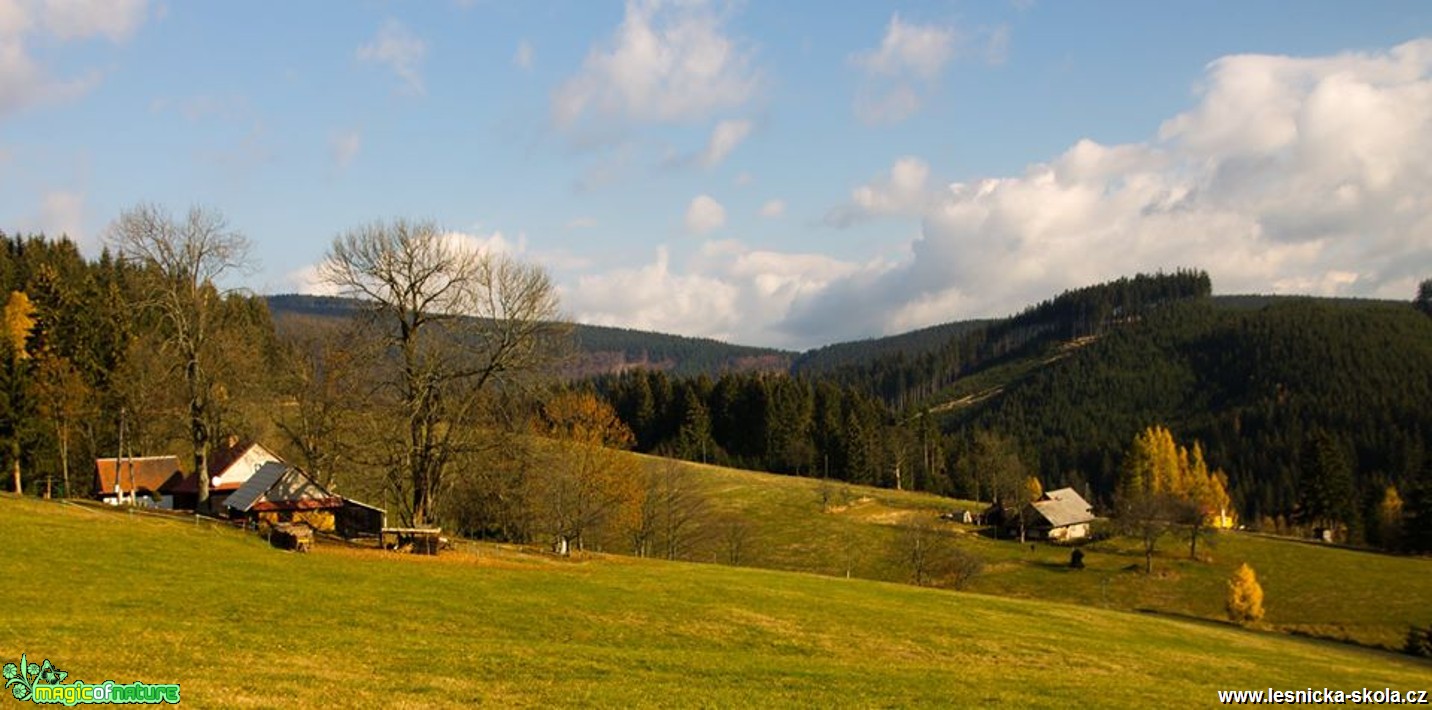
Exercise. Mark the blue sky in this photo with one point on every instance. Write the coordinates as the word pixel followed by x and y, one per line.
pixel 774 173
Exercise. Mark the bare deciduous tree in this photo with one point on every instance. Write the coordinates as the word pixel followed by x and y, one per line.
pixel 671 509
pixel 185 259
pixel 454 322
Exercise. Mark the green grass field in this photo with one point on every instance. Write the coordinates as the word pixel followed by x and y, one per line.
pixel 109 595
pixel 1362 597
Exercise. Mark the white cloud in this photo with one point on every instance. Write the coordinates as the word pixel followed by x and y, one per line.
pixel 344 146
pixel 908 55
pixel 923 50
pixel 909 62
pixel 726 291
pixel 704 214
pixel 904 191
pixel 522 58
pixel 1289 175
pixel 669 61
pixel 581 223
pixel 724 139
pixel 401 51
pixel 24 81
pixel 773 208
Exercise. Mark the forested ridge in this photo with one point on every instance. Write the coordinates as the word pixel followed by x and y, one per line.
pixel 595 349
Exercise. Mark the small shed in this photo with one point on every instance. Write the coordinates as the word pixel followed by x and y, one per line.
pixel 356 519
pixel 150 481
pixel 1060 515
pixel 283 493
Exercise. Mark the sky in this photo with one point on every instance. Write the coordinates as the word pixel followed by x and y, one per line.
pixel 785 174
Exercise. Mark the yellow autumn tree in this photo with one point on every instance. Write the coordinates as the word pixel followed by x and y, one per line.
pixel 589 483
pixel 1389 518
pixel 1163 483
pixel 19 322
pixel 1245 596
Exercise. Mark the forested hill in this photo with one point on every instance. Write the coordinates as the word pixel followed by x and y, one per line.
pixel 1256 385
pixel 598 349
pixel 919 369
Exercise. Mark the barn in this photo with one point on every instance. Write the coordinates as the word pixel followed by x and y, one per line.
pixel 283 493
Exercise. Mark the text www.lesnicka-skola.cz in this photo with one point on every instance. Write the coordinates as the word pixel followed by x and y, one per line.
pixel 1323 696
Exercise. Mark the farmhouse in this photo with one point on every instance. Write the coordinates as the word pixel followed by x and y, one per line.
pixel 1059 515
pixel 150 481
pixel 229 468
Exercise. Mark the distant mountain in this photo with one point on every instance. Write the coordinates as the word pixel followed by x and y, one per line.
pixel 597 349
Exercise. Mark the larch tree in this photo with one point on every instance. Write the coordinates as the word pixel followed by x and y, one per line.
pixel 454 323
pixel 184 259
pixel 19 322
pixel 1245 596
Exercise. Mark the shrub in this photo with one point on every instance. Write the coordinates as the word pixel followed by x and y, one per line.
pixel 1419 641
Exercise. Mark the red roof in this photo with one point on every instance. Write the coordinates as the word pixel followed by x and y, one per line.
pixel 159 474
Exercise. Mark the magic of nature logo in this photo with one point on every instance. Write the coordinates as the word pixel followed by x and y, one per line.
pixel 44 684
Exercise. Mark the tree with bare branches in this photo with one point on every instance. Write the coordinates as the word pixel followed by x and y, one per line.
pixel 184 261
pixel 455 323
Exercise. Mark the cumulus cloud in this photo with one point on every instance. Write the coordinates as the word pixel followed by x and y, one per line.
pixel 773 208
pixel 704 214
pixel 1306 175
pixel 668 61
pixel 1285 175
pixel 396 47
pixel 24 81
pixel 726 291
pixel 904 191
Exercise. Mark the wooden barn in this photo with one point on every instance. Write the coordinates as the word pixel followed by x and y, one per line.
pixel 149 481
pixel 283 493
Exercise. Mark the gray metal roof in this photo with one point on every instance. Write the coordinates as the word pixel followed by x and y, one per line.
pixel 257 485
pixel 1064 507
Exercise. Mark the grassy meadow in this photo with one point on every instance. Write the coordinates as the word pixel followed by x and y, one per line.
pixel 1362 597
pixel 110 595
